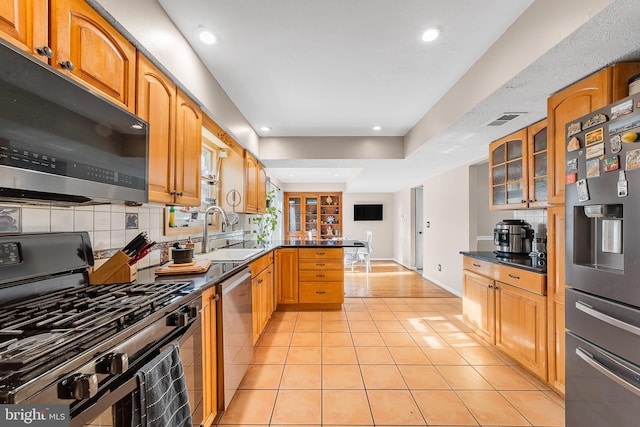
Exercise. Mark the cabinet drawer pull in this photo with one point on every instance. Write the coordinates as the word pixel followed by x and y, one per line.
pixel 514 277
pixel 476 265
pixel 320 292
pixel 320 275
pixel 320 265
pixel 319 253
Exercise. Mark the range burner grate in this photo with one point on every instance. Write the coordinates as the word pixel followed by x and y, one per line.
pixel 66 322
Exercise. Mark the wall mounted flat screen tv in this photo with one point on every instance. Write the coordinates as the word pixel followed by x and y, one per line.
pixel 367 212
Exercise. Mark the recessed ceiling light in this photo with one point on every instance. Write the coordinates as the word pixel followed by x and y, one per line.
pixel 205 35
pixel 377 128
pixel 265 128
pixel 430 35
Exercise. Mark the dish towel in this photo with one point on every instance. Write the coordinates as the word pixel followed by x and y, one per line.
pixel 161 399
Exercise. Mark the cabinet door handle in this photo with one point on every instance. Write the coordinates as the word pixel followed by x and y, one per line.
pixel 514 277
pixel 260 281
pixel 476 265
pixel 67 65
pixel 490 286
pixel 44 51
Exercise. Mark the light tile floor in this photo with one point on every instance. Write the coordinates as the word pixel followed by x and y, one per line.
pixel 386 361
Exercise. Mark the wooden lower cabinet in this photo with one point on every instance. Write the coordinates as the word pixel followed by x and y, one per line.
pixel 521 322
pixel 261 293
pixel 555 297
pixel 321 276
pixel 286 260
pixel 479 305
pixel 512 316
pixel 209 357
pixel 309 277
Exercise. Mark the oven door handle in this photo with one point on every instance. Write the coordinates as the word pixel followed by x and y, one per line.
pixel 591 361
pixel 585 308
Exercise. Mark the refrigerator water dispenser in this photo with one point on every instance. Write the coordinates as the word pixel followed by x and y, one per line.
pixel 598 236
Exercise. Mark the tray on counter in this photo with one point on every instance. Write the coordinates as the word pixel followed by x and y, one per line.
pixel 195 267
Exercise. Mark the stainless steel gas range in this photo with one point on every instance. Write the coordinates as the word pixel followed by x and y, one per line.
pixel 63 341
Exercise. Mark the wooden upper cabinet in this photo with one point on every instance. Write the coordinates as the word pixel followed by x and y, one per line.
pixel 86 46
pixel 568 104
pixel 25 24
pixel 508 183
pixel 251 183
pixel 589 94
pixel 262 189
pixel 538 164
pixel 188 148
pixel 157 105
pixel 175 137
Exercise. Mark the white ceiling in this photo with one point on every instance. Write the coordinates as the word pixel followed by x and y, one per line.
pixel 338 67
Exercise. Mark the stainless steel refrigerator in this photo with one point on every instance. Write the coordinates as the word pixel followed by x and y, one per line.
pixel 602 267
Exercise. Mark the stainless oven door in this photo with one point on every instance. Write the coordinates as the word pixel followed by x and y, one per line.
pixel 113 408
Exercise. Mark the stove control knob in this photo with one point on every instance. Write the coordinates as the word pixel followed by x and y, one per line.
pixel 193 312
pixel 113 363
pixel 178 319
pixel 78 387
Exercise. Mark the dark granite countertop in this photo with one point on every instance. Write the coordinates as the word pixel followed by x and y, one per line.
pixel 222 270
pixel 530 263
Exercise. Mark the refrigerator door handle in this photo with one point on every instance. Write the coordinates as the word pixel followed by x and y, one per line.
pixel 591 361
pixel 586 308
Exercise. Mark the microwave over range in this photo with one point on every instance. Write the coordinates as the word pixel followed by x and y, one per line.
pixel 62 143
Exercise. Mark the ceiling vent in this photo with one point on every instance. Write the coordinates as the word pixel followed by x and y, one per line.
pixel 504 118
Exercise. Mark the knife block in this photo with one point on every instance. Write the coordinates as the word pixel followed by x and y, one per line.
pixel 115 270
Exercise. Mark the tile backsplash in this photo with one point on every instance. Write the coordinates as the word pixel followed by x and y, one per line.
pixel 537 218
pixel 111 226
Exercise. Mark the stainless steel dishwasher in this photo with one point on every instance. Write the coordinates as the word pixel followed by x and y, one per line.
pixel 237 329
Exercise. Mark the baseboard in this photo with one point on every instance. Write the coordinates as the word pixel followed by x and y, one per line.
pixel 434 281
pixel 443 286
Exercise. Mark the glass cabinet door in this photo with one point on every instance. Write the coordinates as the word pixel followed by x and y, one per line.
pixel 538 194
pixel 508 171
pixel 294 214
pixel 311 217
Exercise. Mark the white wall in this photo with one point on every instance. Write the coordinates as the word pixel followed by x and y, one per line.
pixel 403 252
pixel 446 207
pixel 382 230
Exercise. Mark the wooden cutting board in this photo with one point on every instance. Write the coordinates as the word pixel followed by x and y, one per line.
pixel 199 266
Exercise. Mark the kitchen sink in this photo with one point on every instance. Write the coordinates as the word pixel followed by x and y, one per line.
pixel 229 254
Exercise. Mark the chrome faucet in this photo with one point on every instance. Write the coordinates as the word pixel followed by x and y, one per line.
pixel 205 229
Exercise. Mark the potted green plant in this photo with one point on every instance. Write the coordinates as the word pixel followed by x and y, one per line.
pixel 268 221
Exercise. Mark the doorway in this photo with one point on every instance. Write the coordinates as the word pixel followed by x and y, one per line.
pixel 418 227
